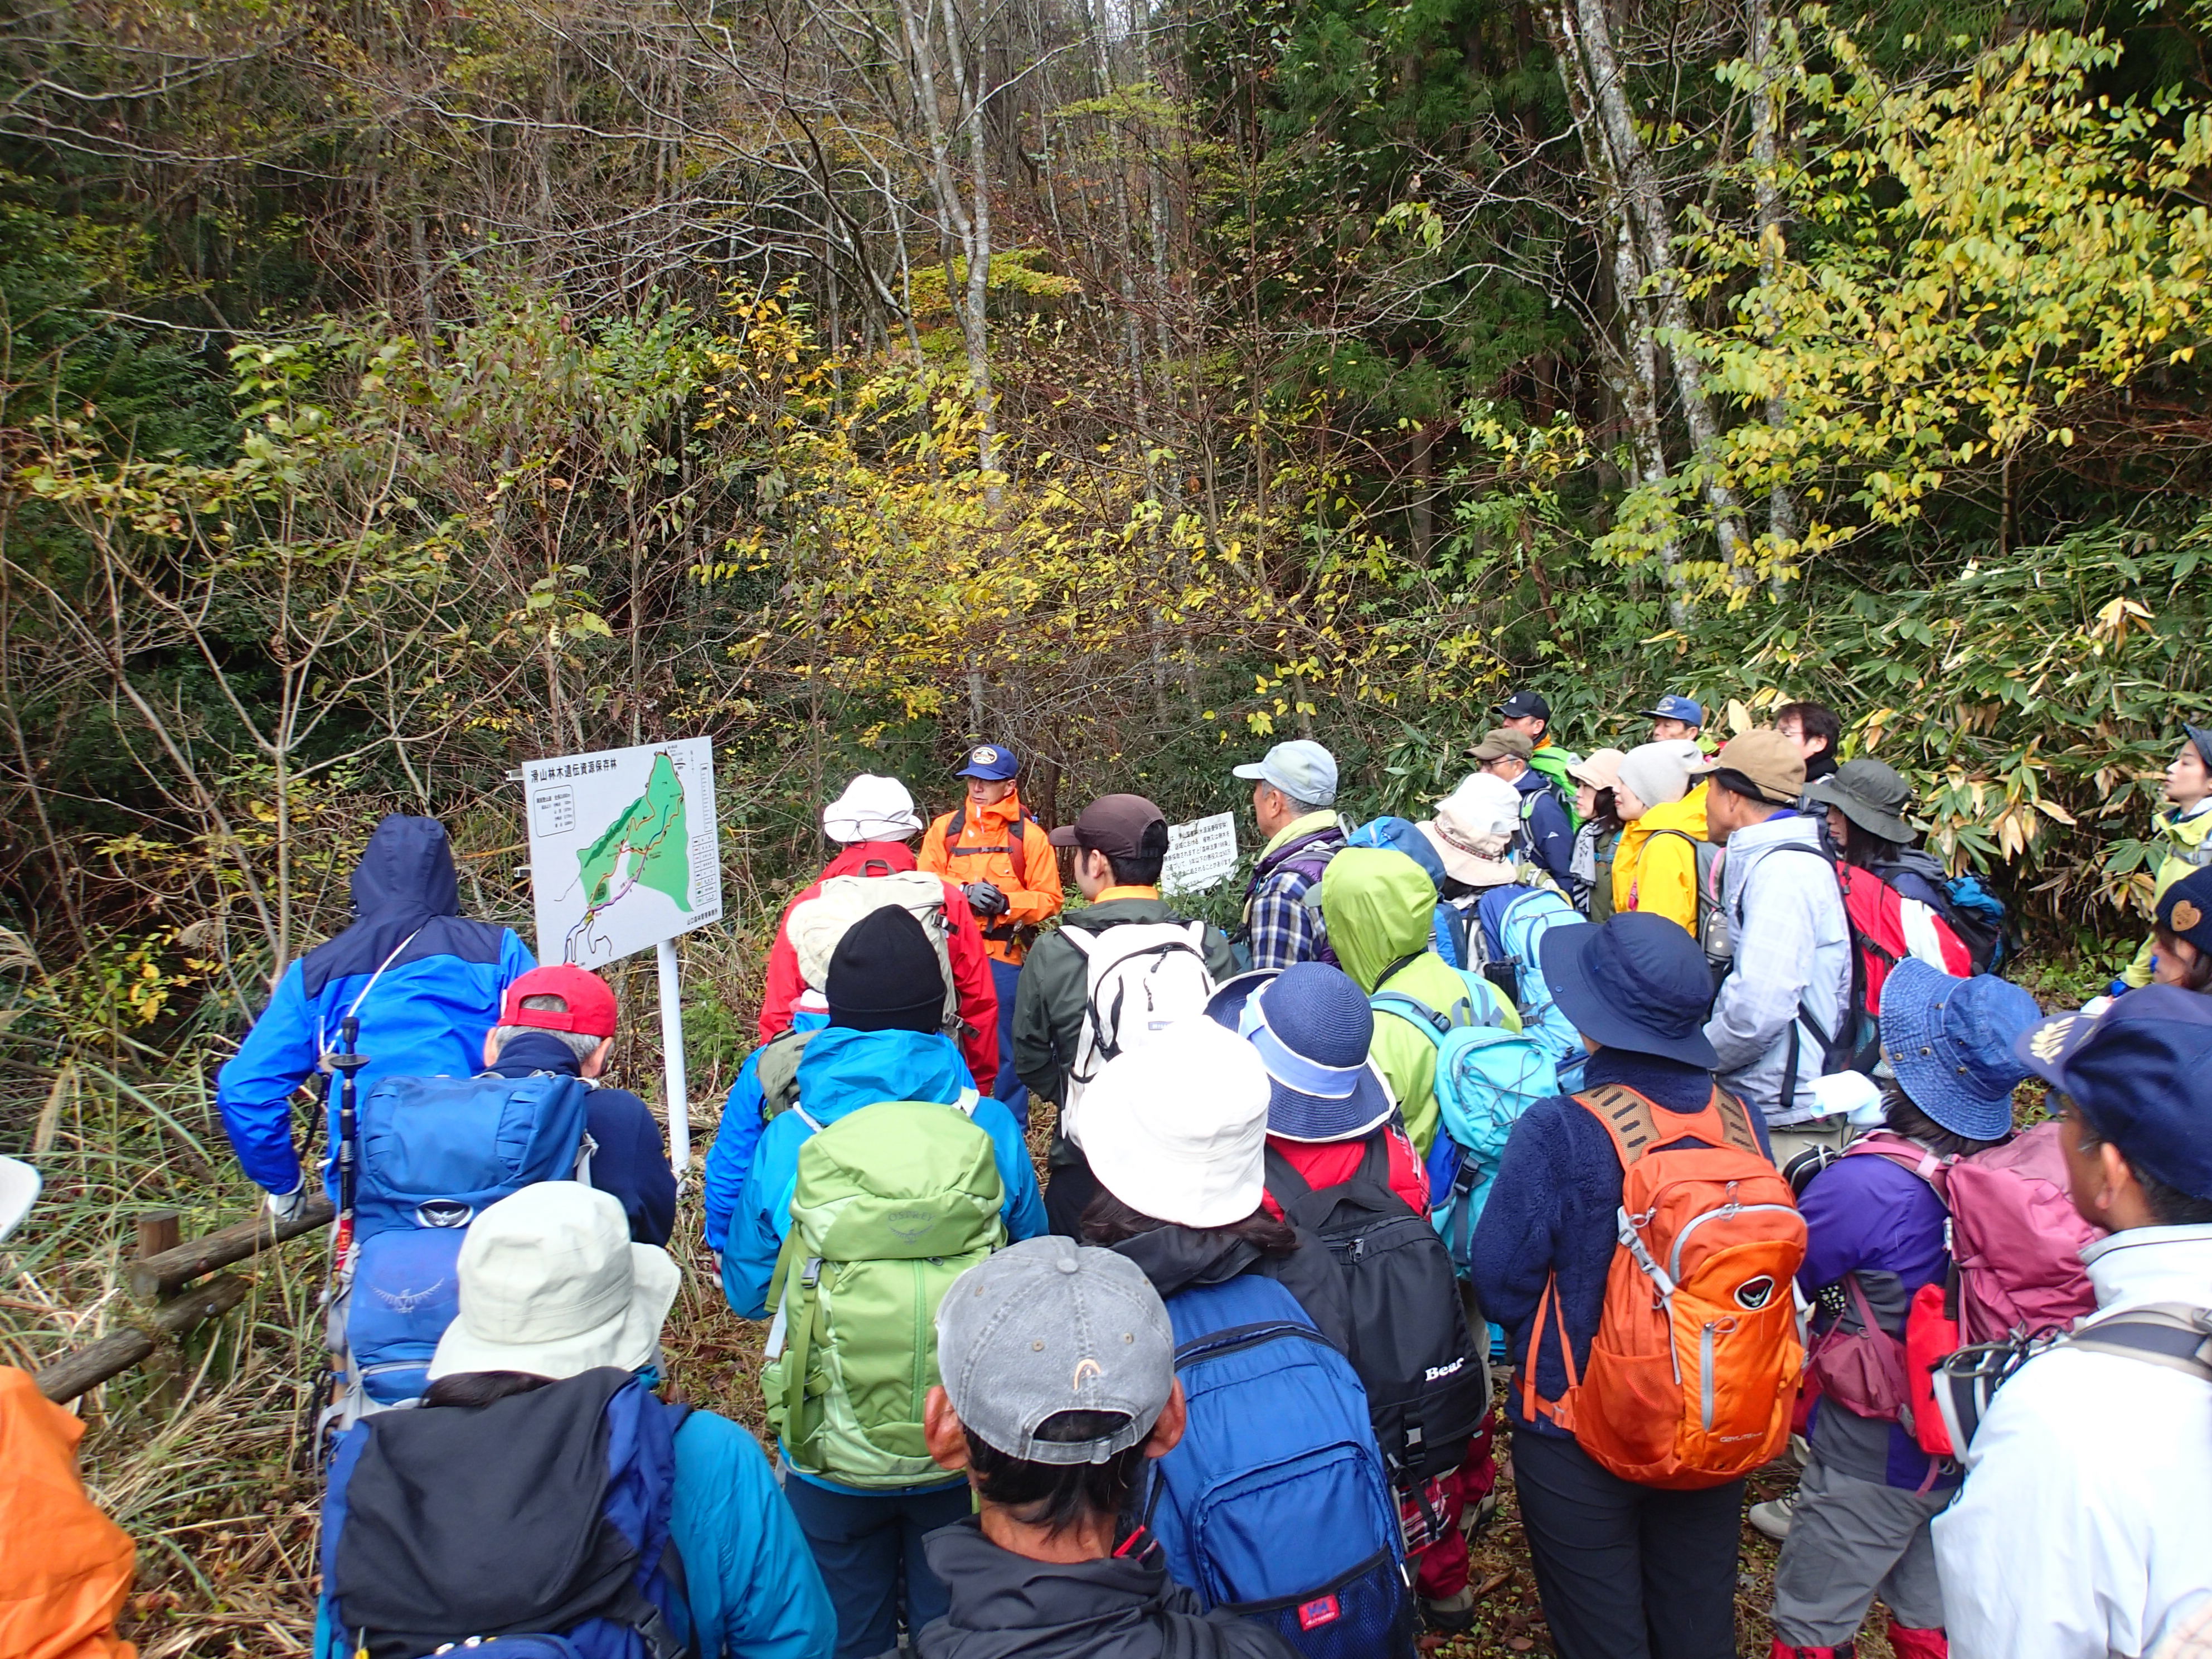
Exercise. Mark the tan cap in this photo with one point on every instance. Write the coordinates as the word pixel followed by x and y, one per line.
pixel 1765 759
pixel 1497 744
pixel 1601 769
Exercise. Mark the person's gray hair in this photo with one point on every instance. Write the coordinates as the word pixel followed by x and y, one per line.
pixel 1303 808
pixel 580 1044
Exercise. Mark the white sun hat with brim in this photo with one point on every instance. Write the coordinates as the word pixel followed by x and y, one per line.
pixel 1473 830
pixel 19 1190
pixel 1177 1129
pixel 872 808
pixel 552 1285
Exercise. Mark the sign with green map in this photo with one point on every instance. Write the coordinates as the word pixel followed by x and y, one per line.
pixel 621 848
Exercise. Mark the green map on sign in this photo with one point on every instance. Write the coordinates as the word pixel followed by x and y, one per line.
pixel 648 844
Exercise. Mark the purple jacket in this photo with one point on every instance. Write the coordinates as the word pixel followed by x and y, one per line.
pixel 1868 1216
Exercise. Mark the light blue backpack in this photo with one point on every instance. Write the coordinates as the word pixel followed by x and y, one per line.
pixel 1486 1077
pixel 1513 922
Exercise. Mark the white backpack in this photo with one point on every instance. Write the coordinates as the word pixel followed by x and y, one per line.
pixel 817 924
pixel 1143 977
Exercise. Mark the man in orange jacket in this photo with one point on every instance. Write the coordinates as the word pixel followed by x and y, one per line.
pixel 998 856
pixel 64 1567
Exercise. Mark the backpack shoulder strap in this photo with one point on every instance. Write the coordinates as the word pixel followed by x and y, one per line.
pixel 1633 1121
pixel 959 823
pixel 1083 939
pixel 2169 1333
pixel 1285 1184
pixel 1904 1154
pixel 1414 1012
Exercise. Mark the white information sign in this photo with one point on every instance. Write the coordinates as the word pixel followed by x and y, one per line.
pixel 622 849
pixel 1201 854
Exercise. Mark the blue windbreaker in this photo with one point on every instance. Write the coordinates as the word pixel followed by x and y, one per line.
pixel 843 1070
pixel 732 1155
pixel 425 1015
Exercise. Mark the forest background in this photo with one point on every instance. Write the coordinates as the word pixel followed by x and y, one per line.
pixel 389 394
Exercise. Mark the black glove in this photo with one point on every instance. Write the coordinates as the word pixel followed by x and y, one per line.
pixel 984 900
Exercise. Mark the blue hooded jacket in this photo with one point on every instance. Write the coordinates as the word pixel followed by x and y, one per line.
pixel 843 1070
pixel 424 1015
pixel 732 1155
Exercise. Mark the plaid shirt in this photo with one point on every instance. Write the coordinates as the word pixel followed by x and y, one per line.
pixel 1283 929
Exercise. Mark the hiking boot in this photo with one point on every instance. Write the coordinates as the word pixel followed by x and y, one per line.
pixel 1782 1650
pixel 1907 1642
pixel 1801 1451
pixel 1773 1518
pixel 1451 1614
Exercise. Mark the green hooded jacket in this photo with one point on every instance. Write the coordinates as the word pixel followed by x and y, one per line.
pixel 1383 902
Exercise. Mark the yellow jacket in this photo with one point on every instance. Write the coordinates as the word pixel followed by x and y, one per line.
pixel 1659 874
pixel 2188 841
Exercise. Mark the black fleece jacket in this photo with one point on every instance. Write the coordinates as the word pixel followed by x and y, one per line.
pixel 1176 1258
pixel 1004 1606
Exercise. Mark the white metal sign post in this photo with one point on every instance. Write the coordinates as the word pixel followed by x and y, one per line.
pixel 1200 854
pixel 623 854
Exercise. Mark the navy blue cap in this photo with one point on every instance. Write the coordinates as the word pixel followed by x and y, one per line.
pixel 2185 910
pixel 1640 983
pixel 1526 705
pixel 1673 706
pixel 993 761
pixel 2141 1073
pixel 1950 1043
pixel 2201 738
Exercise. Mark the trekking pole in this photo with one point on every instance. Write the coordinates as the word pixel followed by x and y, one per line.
pixel 346 1062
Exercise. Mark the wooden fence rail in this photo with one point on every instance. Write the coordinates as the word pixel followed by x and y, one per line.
pixel 159 1276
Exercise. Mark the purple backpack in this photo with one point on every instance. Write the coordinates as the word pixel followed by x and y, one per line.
pixel 2016 1249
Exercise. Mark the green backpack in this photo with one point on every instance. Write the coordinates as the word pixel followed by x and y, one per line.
pixel 892 1203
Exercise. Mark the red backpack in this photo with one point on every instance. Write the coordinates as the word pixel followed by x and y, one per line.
pixel 2015 1245
pixel 1886 927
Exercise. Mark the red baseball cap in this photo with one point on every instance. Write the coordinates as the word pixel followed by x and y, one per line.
pixel 591 1011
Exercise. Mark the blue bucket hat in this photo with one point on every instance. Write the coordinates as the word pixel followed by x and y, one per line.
pixel 1638 982
pixel 992 761
pixel 1225 1007
pixel 1950 1040
pixel 1312 1027
pixel 2141 1073
pixel 1400 835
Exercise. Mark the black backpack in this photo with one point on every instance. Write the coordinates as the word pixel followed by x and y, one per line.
pixel 1427 1378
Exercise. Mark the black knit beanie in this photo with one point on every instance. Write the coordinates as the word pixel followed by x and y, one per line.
pixel 883 975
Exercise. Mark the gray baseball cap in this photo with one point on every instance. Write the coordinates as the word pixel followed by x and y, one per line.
pixel 1301 769
pixel 1048 1326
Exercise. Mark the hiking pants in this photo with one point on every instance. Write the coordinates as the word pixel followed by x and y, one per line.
pixel 1626 1571
pixel 1008 1086
pixel 1068 1193
pixel 868 1545
pixel 1850 1540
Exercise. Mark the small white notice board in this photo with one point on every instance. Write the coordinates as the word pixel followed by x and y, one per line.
pixel 1200 854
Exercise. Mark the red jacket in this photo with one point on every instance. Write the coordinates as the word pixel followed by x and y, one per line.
pixel 972 968
pixel 1332 1163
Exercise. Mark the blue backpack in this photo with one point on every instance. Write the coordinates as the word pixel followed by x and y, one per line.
pixel 528 1529
pixel 432 1153
pixel 1513 922
pixel 1276 1504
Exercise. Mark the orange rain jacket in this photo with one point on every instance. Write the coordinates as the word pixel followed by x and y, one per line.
pixel 64 1567
pixel 1001 844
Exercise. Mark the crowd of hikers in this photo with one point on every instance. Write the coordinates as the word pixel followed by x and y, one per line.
pixel 1648 1117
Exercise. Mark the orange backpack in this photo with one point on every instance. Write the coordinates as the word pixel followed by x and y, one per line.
pixel 1695 1364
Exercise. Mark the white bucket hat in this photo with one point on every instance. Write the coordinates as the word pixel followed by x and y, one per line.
pixel 19 1190
pixel 871 809
pixel 1177 1130
pixel 1473 829
pixel 552 1285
